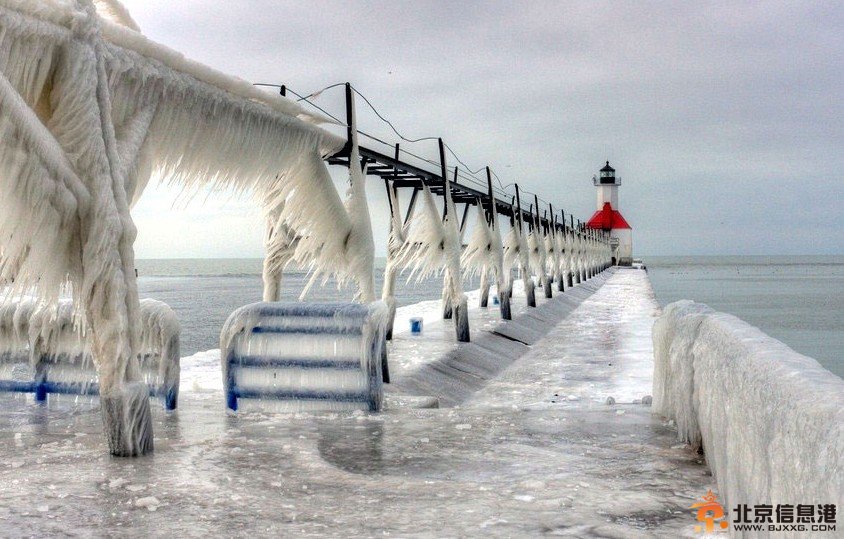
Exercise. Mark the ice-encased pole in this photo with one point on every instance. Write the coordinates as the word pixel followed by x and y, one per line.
pixel 540 230
pixel 524 261
pixel 502 282
pixel 395 241
pixel 81 103
pixel 453 278
pixel 559 248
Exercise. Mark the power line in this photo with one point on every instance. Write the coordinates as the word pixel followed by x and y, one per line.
pixel 472 174
pixel 388 122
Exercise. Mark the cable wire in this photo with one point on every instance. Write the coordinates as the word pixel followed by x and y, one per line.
pixel 467 174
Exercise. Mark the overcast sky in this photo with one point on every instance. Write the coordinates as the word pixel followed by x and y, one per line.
pixel 723 120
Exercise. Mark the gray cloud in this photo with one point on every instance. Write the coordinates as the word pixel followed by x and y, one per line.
pixel 724 120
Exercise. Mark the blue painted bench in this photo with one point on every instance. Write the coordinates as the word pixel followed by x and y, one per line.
pixel 44 351
pixel 305 356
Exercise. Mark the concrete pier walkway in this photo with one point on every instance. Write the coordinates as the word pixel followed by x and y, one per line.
pixel 524 446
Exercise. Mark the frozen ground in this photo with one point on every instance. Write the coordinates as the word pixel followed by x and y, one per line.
pixel 533 450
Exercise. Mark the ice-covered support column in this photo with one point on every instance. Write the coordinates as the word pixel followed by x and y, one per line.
pixel 574 254
pixel 536 244
pixel 113 304
pixel 560 247
pixel 596 255
pixel 452 251
pixel 484 288
pixel 66 207
pixel 503 283
pixel 565 241
pixel 395 242
pixel 479 254
pixel 581 251
pixel 360 246
pixel 279 247
pixel 538 250
pixel 554 250
pixel 524 254
pixel 551 259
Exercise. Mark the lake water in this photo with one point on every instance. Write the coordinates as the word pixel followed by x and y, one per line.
pixel 204 292
pixel 798 300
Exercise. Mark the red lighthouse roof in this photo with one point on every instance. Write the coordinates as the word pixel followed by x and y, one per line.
pixel 607 219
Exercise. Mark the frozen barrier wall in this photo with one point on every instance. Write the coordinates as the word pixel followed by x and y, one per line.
pixel 305 356
pixel 45 350
pixel 770 420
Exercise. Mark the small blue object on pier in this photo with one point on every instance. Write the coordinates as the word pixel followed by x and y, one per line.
pixel 416 326
pixel 495 300
pixel 305 356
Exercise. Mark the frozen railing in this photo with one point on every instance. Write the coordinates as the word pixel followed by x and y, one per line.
pixel 305 356
pixel 45 350
pixel 770 420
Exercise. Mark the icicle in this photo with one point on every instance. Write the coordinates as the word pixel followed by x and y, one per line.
pixel 538 262
pixel 93 109
pixel 478 255
pixel 397 238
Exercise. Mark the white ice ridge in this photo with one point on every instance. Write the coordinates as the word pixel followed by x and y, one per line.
pixel 116 12
pixel 770 420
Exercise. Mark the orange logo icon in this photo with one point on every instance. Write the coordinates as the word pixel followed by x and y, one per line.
pixel 708 511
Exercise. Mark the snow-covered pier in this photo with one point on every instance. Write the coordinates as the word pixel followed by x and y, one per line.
pixel 95 111
pixel 531 448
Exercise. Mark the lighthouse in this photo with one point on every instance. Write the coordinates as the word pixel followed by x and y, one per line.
pixel 609 219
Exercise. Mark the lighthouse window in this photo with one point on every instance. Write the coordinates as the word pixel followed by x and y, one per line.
pixel 606 174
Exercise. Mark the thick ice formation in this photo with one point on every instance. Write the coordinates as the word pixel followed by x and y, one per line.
pixel 395 241
pixel 341 246
pixel 49 343
pixel 552 255
pixel 538 258
pixel 770 420
pixel 117 13
pixel 90 111
pixel 484 255
pixel 516 254
pixel 433 246
pixel 314 356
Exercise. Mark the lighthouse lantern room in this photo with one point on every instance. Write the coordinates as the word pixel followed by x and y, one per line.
pixel 608 218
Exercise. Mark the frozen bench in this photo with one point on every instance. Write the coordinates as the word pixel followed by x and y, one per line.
pixel 45 351
pixel 305 356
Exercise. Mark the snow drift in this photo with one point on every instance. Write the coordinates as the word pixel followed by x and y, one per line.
pixel 770 420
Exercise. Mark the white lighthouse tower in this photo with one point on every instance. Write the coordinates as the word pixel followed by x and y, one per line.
pixel 609 219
